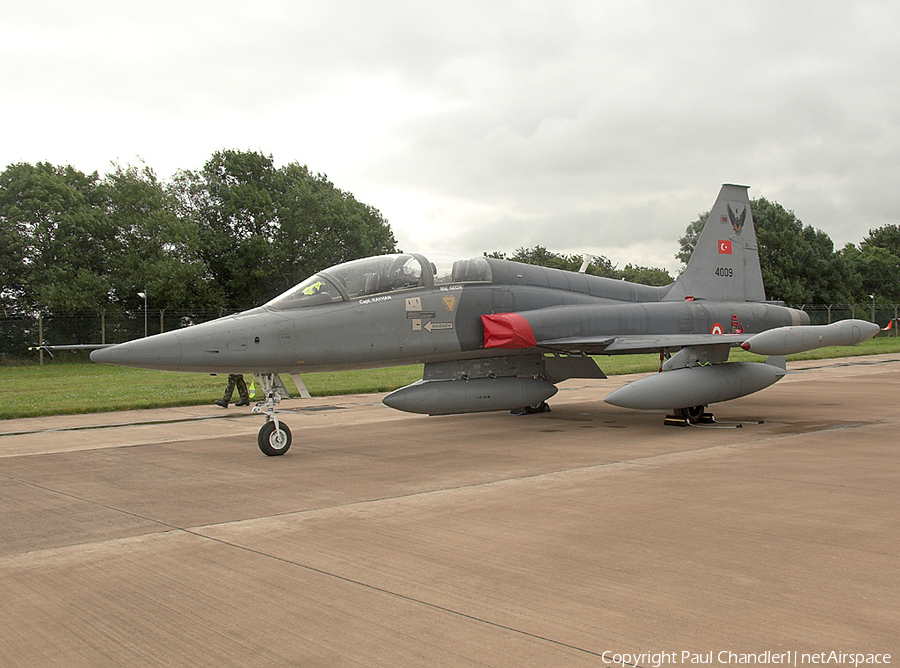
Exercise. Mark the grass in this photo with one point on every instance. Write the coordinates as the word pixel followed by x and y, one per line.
pixel 60 388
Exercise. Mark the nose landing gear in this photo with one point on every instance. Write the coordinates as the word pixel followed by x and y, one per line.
pixel 274 436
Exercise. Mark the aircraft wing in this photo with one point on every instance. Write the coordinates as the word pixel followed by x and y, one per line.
pixel 639 343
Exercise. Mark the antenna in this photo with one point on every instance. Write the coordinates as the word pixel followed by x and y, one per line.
pixel 586 260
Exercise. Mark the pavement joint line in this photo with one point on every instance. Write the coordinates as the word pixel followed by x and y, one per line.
pixel 860 360
pixel 652 461
pixel 395 594
pixel 647 462
pixel 267 537
pixel 343 578
pixel 426 492
pixel 644 462
pixel 117 425
pixel 141 423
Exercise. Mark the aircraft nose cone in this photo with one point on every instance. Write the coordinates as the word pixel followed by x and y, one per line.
pixel 162 351
pixel 112 355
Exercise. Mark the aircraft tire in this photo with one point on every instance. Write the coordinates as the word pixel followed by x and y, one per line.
pixel 272 443
pixel 691 413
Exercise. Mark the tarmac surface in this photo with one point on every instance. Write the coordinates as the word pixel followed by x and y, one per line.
pixel 164 538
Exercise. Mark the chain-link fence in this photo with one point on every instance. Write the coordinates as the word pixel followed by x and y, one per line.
pixel 823 314
pixel 21 335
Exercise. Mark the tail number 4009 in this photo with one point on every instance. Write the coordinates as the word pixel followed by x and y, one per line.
pixel 725 272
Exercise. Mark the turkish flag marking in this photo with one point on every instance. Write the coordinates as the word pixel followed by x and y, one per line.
pixel 725 247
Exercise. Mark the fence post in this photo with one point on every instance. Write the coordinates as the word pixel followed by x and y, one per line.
pixel 103 326
pixel 40 340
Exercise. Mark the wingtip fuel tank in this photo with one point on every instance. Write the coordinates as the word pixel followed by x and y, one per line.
pixel 792 340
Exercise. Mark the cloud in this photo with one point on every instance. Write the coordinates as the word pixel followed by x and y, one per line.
pixel 605 127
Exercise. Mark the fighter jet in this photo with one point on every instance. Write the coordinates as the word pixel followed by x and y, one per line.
pixel 499 335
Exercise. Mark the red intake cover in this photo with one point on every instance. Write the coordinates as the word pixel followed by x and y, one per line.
pixel 507 330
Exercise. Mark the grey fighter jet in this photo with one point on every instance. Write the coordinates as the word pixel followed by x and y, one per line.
pixel 499 335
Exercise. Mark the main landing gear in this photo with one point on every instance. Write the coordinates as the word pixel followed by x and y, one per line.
pixel 274 437
pixel 541 407
pixel 693 415
pixel 696 416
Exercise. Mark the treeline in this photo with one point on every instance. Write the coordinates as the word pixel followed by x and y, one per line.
pixel 231 235
pixel 799 262
pixel 599 266
pixel 240 231
pixel 801 266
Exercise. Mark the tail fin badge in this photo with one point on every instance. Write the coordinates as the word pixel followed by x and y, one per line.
pixel 737 221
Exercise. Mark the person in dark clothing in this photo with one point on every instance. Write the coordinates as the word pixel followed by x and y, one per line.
pixel 235 379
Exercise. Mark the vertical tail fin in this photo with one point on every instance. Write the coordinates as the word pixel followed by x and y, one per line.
pixel 725 263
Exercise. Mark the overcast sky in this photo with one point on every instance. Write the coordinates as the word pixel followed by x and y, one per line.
pixel 582 126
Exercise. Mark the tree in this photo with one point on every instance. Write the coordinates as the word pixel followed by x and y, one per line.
pixel 540 256
pixel 798 262
pixel 600 266
pixel 691 235
pixel 230 203
pixel 159 250
pixel 12 249
pixel 263 229
pixel 64 237
pixel 886 237
pixel 878 263
pixel 795 258
pixel 877 271
pixel 645 275
pixel 321 225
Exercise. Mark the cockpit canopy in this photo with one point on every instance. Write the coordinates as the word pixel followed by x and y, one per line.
pixel 380 275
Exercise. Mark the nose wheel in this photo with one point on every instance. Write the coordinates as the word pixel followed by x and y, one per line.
pixel 274 438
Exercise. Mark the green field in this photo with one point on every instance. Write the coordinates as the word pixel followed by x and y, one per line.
pixel 58 388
